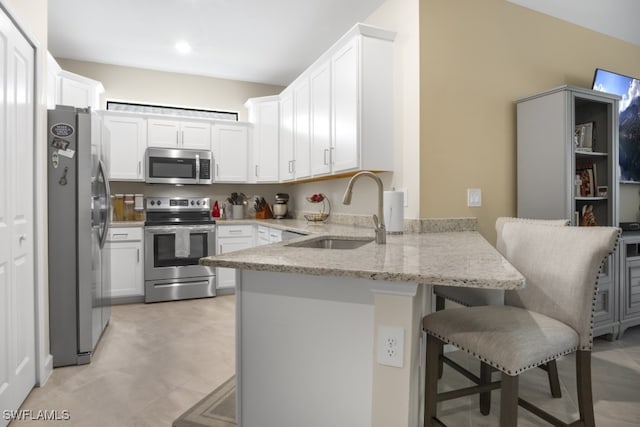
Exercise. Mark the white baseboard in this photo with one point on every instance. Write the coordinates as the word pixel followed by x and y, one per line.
pixel 46 369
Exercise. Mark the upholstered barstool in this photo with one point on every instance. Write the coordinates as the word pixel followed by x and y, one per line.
pixel 550 317
pixel 472 297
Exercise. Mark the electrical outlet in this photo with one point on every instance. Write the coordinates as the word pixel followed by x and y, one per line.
pixel 391 346
pixel 474 197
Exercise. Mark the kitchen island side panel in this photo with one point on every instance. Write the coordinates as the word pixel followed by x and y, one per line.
pixel 305 350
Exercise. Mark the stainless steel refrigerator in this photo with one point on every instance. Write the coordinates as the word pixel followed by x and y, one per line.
pixel 79 206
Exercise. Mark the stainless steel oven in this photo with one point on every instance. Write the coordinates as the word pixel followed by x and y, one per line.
pixel 178 232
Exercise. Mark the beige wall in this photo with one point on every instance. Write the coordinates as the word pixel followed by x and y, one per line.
pixel 476 59
pixel 159 87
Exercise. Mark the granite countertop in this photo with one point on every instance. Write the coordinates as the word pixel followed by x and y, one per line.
pixel 461 258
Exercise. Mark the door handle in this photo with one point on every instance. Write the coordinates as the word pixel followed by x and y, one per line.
pixel 326 151
pixel 22 238
pixel 138 254
pixel 256 171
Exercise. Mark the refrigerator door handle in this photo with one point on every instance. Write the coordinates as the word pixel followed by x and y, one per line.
pixel 107 192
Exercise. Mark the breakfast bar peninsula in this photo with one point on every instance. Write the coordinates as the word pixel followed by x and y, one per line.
pixel 329 325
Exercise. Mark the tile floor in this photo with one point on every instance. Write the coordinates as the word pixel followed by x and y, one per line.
pixel 157 360
pixel 153 362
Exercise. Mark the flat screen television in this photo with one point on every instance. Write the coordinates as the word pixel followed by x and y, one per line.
pixel 629 131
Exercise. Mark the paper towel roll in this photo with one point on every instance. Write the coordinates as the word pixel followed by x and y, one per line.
pixel 393 210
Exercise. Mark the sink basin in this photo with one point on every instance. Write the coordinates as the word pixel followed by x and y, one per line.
pixel 332 242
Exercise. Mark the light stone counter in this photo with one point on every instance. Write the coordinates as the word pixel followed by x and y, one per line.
pixel 448 258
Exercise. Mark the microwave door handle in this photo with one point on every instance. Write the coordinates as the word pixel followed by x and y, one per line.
pixel 197 168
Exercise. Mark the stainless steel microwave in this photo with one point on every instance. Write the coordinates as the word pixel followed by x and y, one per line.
pixel 178 166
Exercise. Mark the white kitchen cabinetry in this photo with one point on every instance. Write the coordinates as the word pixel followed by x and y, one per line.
pixel 287 158
pixel 342 109
pixel 126 138
pixel 126 248
pixel 230 150
pixel 78 91
pixel 301 128
pixel 231 238
pixel 266 235
pixel 320 116
pixel 263 113
pixel 179 134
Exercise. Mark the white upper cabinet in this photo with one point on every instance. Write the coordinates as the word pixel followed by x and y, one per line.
pixel 287 159
pixel 126 138
pixel 230 144
pixel 65 88
pixel 345 154
pixel 337 116
pixel 263 113
pixel 179 134
pixel 362 102
pixel 301 128
pixel 320 115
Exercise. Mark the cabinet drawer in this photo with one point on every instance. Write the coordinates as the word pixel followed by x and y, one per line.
pixel 235 231
pixel 124 234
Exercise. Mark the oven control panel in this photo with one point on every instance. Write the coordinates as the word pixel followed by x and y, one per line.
pixel 178 203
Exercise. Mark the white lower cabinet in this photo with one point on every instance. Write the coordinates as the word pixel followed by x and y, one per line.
pixel 266 235
pixel 126 248
pixel 231 238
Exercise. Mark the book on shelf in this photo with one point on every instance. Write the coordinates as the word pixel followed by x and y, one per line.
pixel 583 136
pixel 586 179
pixel 587 217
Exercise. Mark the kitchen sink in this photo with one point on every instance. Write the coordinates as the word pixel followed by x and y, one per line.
pixel 332 242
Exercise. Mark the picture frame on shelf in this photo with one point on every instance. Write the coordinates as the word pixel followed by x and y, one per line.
pixel 586 180
pixel 583 137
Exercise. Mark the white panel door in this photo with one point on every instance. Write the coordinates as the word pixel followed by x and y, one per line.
pixel 75 93
pixel 126 140
pixel 226 277
pixel 230 150
pixel 345 96
pixel 17 313
pixel 266 140
pixel 163 133
pixel 287 163
pixel 321 120
pixel 301 129
pixel 196 135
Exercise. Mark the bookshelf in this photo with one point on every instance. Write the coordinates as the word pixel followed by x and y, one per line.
pixel 567 159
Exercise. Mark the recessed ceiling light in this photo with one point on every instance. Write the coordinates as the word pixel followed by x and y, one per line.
pixel 183 47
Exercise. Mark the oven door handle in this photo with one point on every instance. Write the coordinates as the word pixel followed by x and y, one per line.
pixel 172 229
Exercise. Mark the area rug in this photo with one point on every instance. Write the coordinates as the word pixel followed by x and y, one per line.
pixel 218 409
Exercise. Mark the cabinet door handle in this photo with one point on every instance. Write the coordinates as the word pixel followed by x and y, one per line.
pixel 138 254
pixel 290 166
pixel 235 231
pixel 182 138
pixel 139 167
pixel 217 170
pixel 326 151
pixel 256 171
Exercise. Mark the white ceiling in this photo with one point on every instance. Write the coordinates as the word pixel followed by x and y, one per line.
pixel 266 41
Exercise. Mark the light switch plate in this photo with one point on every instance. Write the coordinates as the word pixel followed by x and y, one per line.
pixel 474 197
